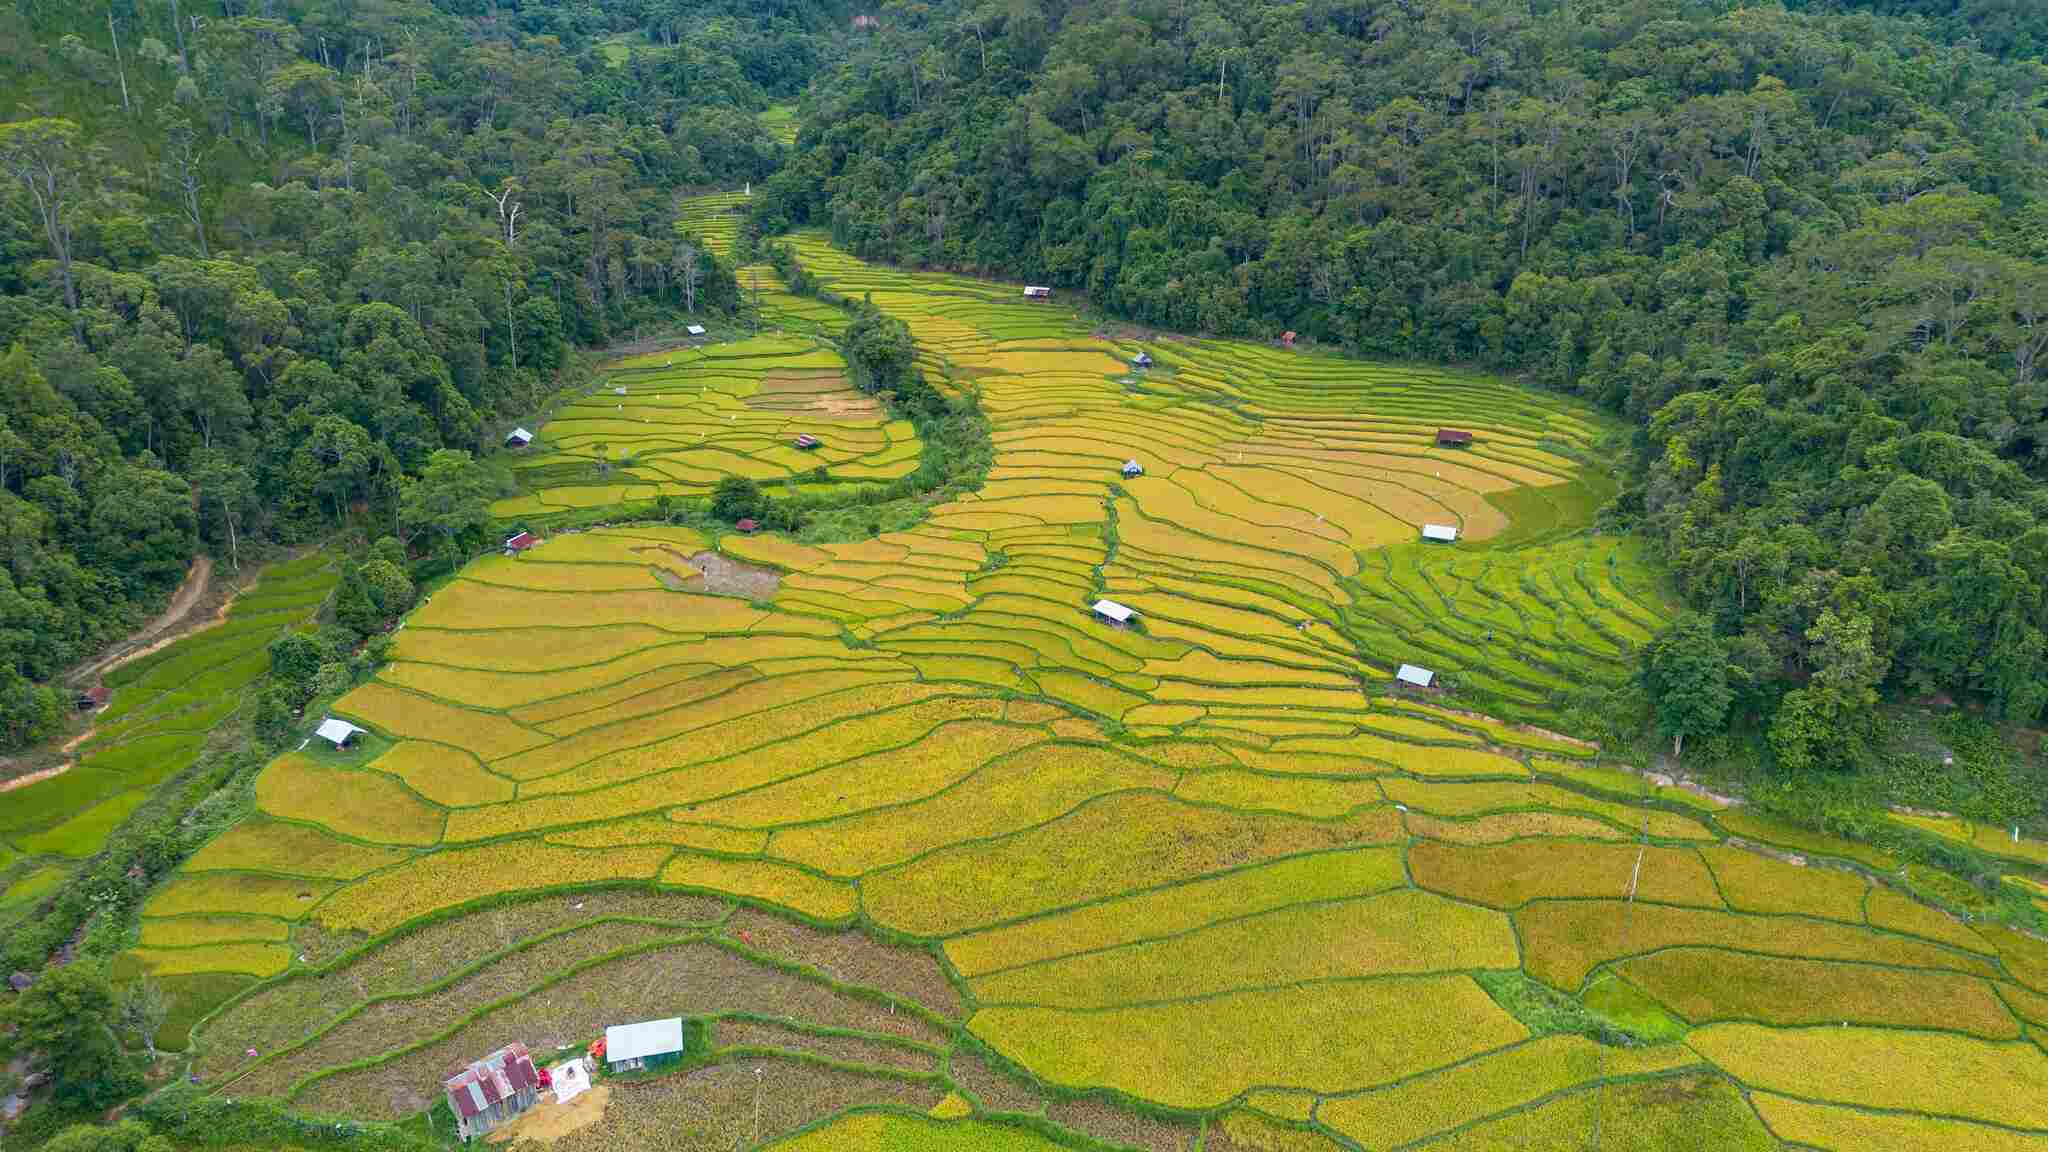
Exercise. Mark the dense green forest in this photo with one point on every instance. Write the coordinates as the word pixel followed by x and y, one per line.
pixel 261 259
pixel 1801 250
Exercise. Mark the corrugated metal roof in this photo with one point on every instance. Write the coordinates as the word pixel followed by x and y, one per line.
pixel 1443 532
pixel 335 732
pixel 647 1038
pixel 1114 611
pixel 1420 677
pixel 519 434
pixel 695 329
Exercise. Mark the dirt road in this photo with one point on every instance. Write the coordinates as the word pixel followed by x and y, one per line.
pixel 197 581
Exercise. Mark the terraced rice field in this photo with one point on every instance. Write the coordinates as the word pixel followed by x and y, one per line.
pixel 913 835
pixel 714 219
pixel 163 708
pixel 673 423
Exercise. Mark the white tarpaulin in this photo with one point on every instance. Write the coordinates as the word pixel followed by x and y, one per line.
pixel 571 1080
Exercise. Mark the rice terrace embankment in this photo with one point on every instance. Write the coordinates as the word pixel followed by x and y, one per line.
pixel 921 845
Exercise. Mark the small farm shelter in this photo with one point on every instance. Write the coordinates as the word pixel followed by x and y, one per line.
pixel 520 541
pixel 695 329
pixel 93 697
pixel 1142 360
pixel 1037 292
pixel 1452 438
pixel 1420 677
pixel 647 1044
pixel 1113 612
pixel 1133 468
pixel 748 525
pixel 619 391
pixel 1287 339
pixel 570 1079
pixel 336 732
pixel 518 438
pixel 492 1091
pixel 806 441
pixel 1441 533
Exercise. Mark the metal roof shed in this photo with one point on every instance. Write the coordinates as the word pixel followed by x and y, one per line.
pixel 695 329
pixel 634 1044
pixel 336 732
pixel 1420 677
pixel 1133 468
pixel 1114 612
pixel 1441 533
pixel 518 438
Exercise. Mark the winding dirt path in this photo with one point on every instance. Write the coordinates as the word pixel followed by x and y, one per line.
pixel 197 581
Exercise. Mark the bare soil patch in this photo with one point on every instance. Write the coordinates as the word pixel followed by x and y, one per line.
pixel 725 576
pixel 1114 1125
pixel 997 1091
pixel 715 1109
pixel 547 1121
pixel 850 957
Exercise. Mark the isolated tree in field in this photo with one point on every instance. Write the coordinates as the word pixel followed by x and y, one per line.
pixel 450 497
pixel 736 498
pixel 1685 669
pixel 49 161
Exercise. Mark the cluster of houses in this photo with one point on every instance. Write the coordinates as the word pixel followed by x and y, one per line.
pixel 497 1089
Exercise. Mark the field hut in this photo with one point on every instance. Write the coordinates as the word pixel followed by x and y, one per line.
pixel 1440 533
pixel 748 525
pixel 1141 360
pixel 1417 676
pixel 1037 292
pixel 339 733
pixel 1452 438
pixel 492 1091
pixel 1133 469
pixel 648 1044
pixel 1287 339
pixel 518 438
pixel 695 329
pixel 806 441
pixel 519 542
pixel 1114 612
pixel 93 698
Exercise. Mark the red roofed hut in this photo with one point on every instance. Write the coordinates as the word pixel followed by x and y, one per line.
pixel 748 525
pixel 521 542
pixel 93 698
pixel 492 1091
pixel 1452 438
pixel 1287 339
pixel 806 441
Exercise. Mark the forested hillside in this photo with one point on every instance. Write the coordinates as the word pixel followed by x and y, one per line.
pixel 259 261
pixel 1801 250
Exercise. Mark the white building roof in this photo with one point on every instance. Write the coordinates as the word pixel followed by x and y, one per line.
pixel 695 329
pixel 1037 290
pixel 519 434
pixel 1133 466
pixel 1420 677
pixel 335 732
pixel 1443 532
pixel 647 1038
pixel 1114 611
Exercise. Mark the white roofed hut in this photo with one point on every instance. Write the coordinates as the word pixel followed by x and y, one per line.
pixel 1416 676
pixel 518 438
pixel 695 329
pixel 1037 292
pixel 1133 469
pixel 648 1044
pixel 1440 533
pixel 339 733
pixel 1115 613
